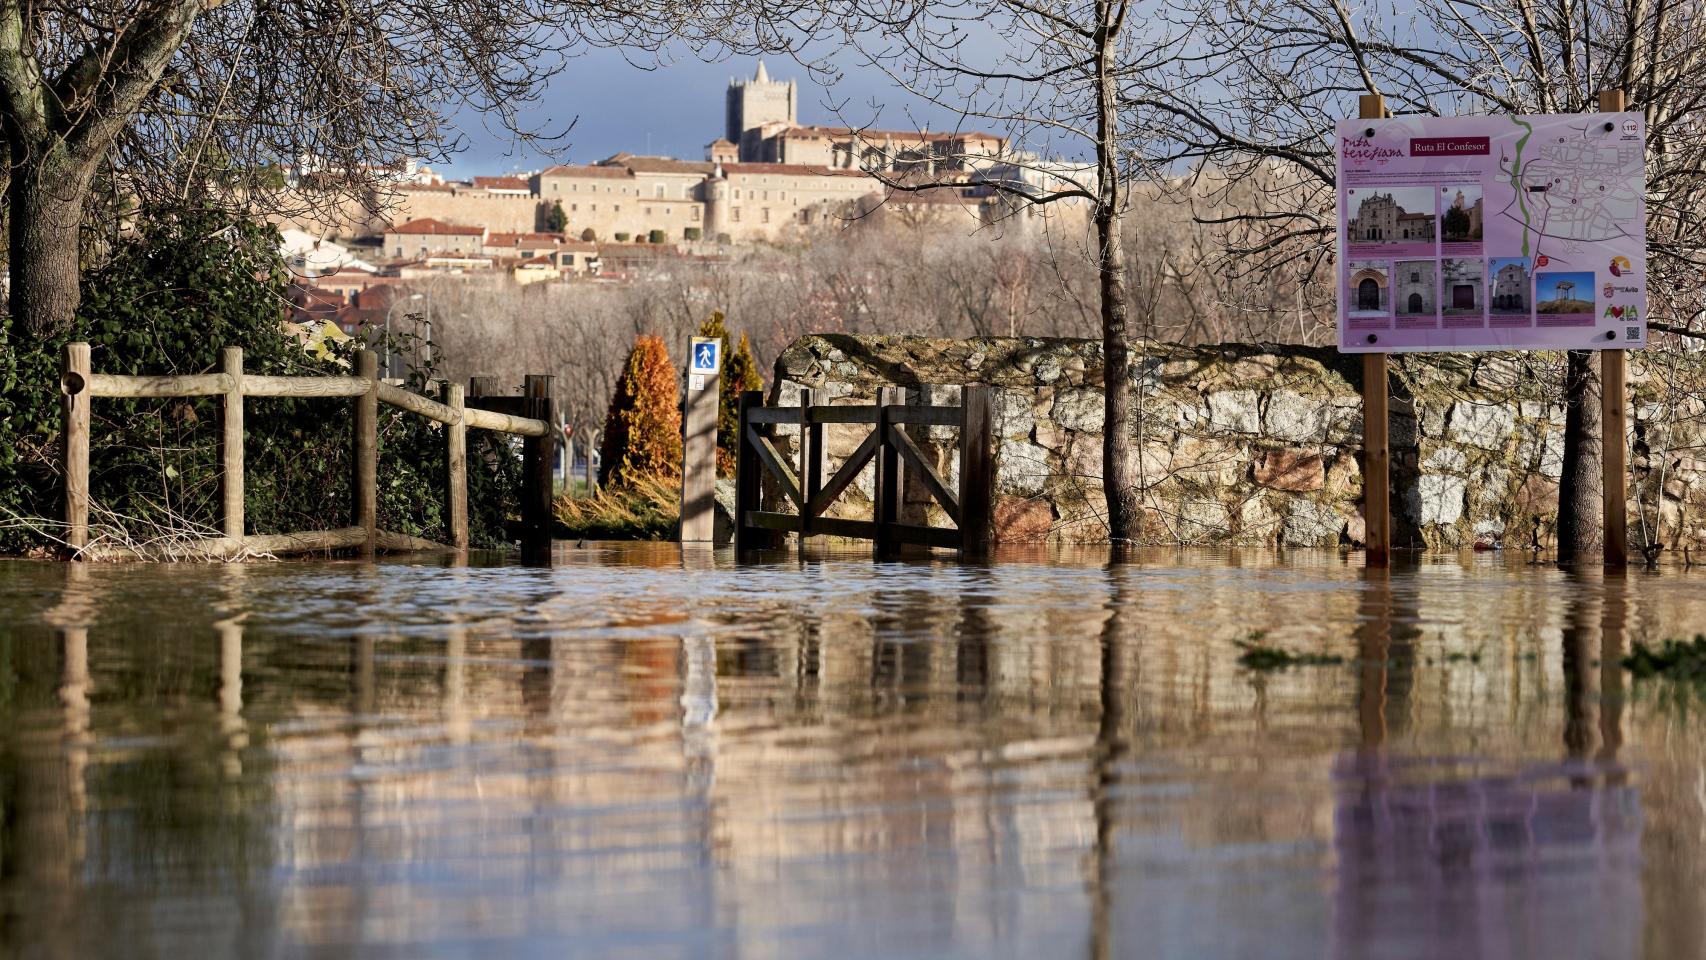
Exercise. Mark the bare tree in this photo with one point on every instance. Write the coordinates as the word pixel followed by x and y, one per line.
pixel 1256 86
pixel 162 97
pixel 1047 74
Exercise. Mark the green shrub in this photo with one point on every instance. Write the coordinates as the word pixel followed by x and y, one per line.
pixel 656 236
pixel 165 302
pixel 556 220
pixel 739 373
pixel 692 233
pixel 642 430
pixel 589 235
pixel 623 237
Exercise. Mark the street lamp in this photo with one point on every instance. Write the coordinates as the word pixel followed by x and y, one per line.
pixel 390 373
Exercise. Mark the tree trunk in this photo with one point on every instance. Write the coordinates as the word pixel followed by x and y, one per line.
pixel 45 206
pixel 1581 489
pixel 1119 482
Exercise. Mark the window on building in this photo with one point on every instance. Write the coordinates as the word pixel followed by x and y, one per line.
pixel 648 211
pixel 693 213
pixel 764 215
pixel 657 191
pixel 734 214
pixel 1415 276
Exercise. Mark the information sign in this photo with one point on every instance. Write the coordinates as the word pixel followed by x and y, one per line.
pixel 1492 233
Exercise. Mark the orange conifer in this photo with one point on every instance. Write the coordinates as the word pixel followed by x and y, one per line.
pixel 642 431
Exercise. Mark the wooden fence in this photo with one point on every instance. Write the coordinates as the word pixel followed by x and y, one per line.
pixel 895 453
pixel 529 416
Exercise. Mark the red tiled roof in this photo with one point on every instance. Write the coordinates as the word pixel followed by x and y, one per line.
pixel 429 226
pixel 912 136
pixel 502 183
pixel 587 171
pixel 789 169
pixel 517 239
pixel 662 165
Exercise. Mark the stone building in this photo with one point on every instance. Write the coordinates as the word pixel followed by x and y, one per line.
pixel 1414 290
pixel 757 103
pixel 422 238
pixel 1471 211
pixel 1369 288
pixel 1462 285
pixel 1511 288
pixel 1381 219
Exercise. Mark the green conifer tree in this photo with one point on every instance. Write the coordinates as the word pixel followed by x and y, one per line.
pixel 739 372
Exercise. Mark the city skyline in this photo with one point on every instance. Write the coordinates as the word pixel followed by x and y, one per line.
pixel 673 110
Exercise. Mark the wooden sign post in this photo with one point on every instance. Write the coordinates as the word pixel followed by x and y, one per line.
pixel 1376 455
pixel 699 447
pixel 1614 425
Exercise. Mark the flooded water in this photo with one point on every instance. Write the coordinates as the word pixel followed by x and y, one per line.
pixel 650 754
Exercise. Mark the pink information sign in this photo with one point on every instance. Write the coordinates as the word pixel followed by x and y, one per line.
pixel 1492 233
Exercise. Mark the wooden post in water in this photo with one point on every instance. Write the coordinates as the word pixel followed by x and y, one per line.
pixel 749 482
pixel 1376 454
pixel 74 435
pixel 890 481
pixel 811 461
pixel 977 472
pixel 365 461
pixel 231 444
pixel 537 459
pixel 699 456
pixel 456 466
pixel 1614 424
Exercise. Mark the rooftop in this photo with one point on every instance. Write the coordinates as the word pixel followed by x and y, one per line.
pixel 429 226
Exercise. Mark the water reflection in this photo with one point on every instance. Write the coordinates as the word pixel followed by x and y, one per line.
pixel 646 751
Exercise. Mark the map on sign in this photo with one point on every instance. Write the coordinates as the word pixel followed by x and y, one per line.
pixel 1488 233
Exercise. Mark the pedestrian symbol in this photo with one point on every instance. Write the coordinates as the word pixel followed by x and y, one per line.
pixel 704 356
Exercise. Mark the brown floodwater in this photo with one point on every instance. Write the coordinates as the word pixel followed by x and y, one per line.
pixel 646 753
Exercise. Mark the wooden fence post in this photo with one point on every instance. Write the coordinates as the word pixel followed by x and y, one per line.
pixel 977 473
pixel 592 438
pixel 890 484
pixel 75 397
pixel 365 461
pixel 456 466
pixel 749 483
pixel 1376 453
pixel 231 444
pixel 1614 425
pixel 537 460
pixel 811 461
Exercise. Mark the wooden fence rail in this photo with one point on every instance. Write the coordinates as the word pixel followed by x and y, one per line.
pixel 529 417
pixel 895 453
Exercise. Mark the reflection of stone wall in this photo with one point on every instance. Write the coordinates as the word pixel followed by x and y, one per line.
pixel 1258 444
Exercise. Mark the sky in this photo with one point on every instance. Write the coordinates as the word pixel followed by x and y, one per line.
pixel 670 111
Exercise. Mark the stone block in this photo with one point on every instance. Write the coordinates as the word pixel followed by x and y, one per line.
pixel 1081 410
pixel 1294 418
pixel 1020 520
pixel 1290 469
pixel 1441 498
pixel 1311 524
pixel 1014 413
pixel 1447 459
pixel 1484 425
pixel 1021 468
pixel 1236 411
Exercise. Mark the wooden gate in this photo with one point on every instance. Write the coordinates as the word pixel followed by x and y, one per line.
pixel 895 453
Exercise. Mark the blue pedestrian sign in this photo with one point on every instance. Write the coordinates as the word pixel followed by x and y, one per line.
pixel 705 356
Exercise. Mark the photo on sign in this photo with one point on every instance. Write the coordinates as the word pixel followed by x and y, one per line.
pixel 1415 292
pixel 1512 299
pixel 1460 213
pixel 1462 289
pixel 1368 294
pixel 1396 218
pixel 1564 298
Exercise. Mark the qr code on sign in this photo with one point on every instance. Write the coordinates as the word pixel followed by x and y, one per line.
pixel 1631 333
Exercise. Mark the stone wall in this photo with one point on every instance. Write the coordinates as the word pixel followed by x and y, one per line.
pixel 1257 444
